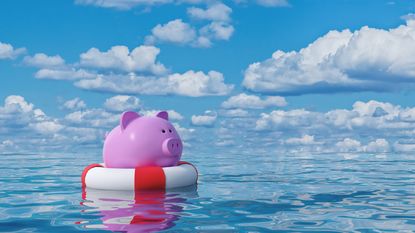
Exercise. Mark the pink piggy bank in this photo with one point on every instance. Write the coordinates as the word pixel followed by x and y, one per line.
pixel 142 141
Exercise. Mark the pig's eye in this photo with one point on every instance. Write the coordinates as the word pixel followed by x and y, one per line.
pixel 163 131
pixel 170 130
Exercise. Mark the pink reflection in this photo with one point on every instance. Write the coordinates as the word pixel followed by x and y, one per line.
pixel 128 211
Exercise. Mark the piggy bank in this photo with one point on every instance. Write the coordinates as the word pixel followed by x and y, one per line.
pixel 142 141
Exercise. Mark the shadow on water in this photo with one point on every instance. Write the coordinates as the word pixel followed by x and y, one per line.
pixel 129 211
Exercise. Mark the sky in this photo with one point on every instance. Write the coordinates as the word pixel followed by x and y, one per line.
pixel 243 76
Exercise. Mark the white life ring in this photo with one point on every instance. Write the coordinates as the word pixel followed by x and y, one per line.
pixel 97 176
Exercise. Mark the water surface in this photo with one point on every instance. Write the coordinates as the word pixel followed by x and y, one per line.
pixel 299 193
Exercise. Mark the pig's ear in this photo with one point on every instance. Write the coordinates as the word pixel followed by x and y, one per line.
pixel 163 115
pixel 126 118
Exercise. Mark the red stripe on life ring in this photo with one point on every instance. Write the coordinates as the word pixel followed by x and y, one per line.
pixel 86 172
pixel 184 162
pixel 149 178
pixel 155 197
pixel 138 219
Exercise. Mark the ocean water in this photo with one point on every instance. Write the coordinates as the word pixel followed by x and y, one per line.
pixel 269 193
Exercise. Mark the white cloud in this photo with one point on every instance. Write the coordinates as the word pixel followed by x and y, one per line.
pixel 131 73
pixel 280 119
pixel 16 103
pixel 225 143
pixel 234 112
pixel 339 130
pixel 203 42
pixel 378 146
pixel 85 135
pixel 140 59
pixel 217 31
pixel 42 60
pixel 179 32
pixel 94 117
pixel 245 101
pixel 173 115
pixel 215 12
pixel 198 83
pixel 7 51
pixel 273 3
pixel 74 104
pixel 121 4
pixel 372 115
pixel 190 83
pixel 407 115
pixel 26 128
pixel 362 129
pixel 349 145
pixel 410 16
pixel 185 133
pixel 46 127
pixel 130 4
pixel 403 147
pixel 207 119
pixel 376 109
pixel 368 59
pixel 304 140
pixel 8 145
pixel 175 31
pixel 64 74
pixel 120 103
pixel 17 111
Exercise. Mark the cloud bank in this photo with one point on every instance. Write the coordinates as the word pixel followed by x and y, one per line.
pixel 119 70
pixel 368 59
pixel 371 127
pixel 25 128
pixel 7 51
pixel 244 101
pixel 179 32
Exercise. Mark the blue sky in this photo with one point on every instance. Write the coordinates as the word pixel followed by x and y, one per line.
pixel 83 62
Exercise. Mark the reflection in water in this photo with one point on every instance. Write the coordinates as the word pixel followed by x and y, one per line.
pixel 130 211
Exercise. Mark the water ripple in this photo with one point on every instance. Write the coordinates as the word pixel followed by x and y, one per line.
pixel 321 193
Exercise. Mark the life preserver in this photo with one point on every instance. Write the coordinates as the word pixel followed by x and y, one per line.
pixel 96 176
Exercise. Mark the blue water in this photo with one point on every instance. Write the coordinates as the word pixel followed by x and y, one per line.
pixel 269 193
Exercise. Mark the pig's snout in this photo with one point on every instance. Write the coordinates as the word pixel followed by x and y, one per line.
pixel 172 147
